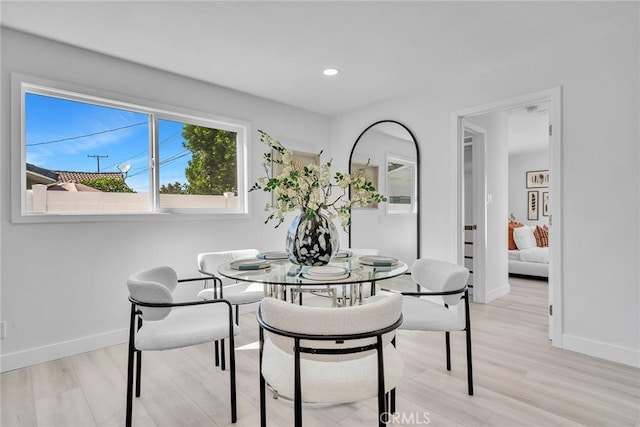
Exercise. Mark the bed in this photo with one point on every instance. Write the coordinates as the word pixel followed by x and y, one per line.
pixel 528 250
pixel 527 267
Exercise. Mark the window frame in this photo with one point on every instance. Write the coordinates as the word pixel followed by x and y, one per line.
pixel 407 161
pixel 22 84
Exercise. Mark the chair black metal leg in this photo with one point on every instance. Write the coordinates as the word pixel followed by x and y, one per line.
pixel 392 407
pixel 238 315
pixel 232 376
pixel 448 349
pixel 469 364
pixel 223 356
pixel 138 371
pixel 129 389
pixel 216 353
pixel 263 386
pixel 130 373
pixel 468 333
pixel 383 415
pixel 298 385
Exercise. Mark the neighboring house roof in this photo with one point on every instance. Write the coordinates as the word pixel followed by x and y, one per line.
pixel 67 176
pixel 70 176
pixel 46 173
pixel 71 186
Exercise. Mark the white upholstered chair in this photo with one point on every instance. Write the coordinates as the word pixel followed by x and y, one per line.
pixel 159 323
pixel 448 281
pixel 237 293
pixel 330 355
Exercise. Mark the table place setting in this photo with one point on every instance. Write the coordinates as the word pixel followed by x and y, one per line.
pixel 325 273
pixel 343 254
pixel 378 261
pixel 275 255
pixel 249 264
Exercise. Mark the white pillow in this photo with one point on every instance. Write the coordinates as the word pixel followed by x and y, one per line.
pixel 524 238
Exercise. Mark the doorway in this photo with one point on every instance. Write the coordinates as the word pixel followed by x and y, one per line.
pixel 490 197
pixel 475 244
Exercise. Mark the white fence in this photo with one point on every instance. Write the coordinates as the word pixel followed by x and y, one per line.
pixel 39 200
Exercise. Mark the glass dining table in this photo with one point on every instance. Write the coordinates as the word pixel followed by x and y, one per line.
pixel 286 280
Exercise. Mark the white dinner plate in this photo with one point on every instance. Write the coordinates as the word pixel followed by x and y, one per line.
pixel 325 277
pixel 325 272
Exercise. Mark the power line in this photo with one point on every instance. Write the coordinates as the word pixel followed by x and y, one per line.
pixel 84 136
pixel 164 162
pixel 145 152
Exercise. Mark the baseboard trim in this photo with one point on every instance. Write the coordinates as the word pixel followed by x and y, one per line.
pixel 22 359
pixel 602 350
pixel 497 293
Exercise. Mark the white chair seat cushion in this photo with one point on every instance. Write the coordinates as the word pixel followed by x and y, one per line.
pixel 330 382
pixel 419 314
pixel 186 326
pixel 242 293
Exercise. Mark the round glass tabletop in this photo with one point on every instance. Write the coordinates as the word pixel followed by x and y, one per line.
pixel 283 272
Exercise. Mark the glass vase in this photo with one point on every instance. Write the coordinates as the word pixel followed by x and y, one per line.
pixel 312 239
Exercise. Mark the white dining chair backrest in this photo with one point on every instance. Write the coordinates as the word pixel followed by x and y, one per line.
pixel 440 276
pixel 351 320
pixel 155 285
pixel 210 261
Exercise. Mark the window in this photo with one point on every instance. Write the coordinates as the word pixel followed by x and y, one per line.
pixel 401 188
pixel 87 155
pixel 198 166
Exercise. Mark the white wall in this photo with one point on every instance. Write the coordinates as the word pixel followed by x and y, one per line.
pixel 600 278
pixel 64 285
pixel 519 164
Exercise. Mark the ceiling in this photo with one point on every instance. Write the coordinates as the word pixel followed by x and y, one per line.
pixel 277 50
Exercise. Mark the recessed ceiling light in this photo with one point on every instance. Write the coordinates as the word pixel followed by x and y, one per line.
pixel 330 71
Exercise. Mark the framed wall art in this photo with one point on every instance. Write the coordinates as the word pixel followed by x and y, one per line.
pixel 300 157
pixel 371 173
pixel 533 205
pixel 538 179
pixel 545 203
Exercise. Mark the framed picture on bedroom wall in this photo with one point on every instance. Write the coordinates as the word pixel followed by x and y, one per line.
pixel 545 203
pixel 538 179
pixel 533 205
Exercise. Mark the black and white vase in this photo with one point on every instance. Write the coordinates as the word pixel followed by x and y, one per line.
pixel 312 239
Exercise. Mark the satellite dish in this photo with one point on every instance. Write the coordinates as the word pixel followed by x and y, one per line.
pixel 125 168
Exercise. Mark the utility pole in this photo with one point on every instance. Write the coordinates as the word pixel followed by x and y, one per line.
pixel 97 157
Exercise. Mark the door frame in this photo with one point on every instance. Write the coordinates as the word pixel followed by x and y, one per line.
pixel 479 210
pixel 554 96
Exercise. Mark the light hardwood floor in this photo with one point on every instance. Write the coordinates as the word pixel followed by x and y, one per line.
pixel 520 379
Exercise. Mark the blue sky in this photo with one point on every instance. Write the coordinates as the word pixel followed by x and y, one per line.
pixel 61 134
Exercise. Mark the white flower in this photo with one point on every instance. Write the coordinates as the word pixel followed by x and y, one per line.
pixel 310 187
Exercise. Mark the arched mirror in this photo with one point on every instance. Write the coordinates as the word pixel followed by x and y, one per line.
pixel 389 154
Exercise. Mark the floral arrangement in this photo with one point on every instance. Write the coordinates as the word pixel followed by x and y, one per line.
pixel 311 188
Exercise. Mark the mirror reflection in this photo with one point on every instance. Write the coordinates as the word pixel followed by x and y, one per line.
pixel 401 185
pixel 388 153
